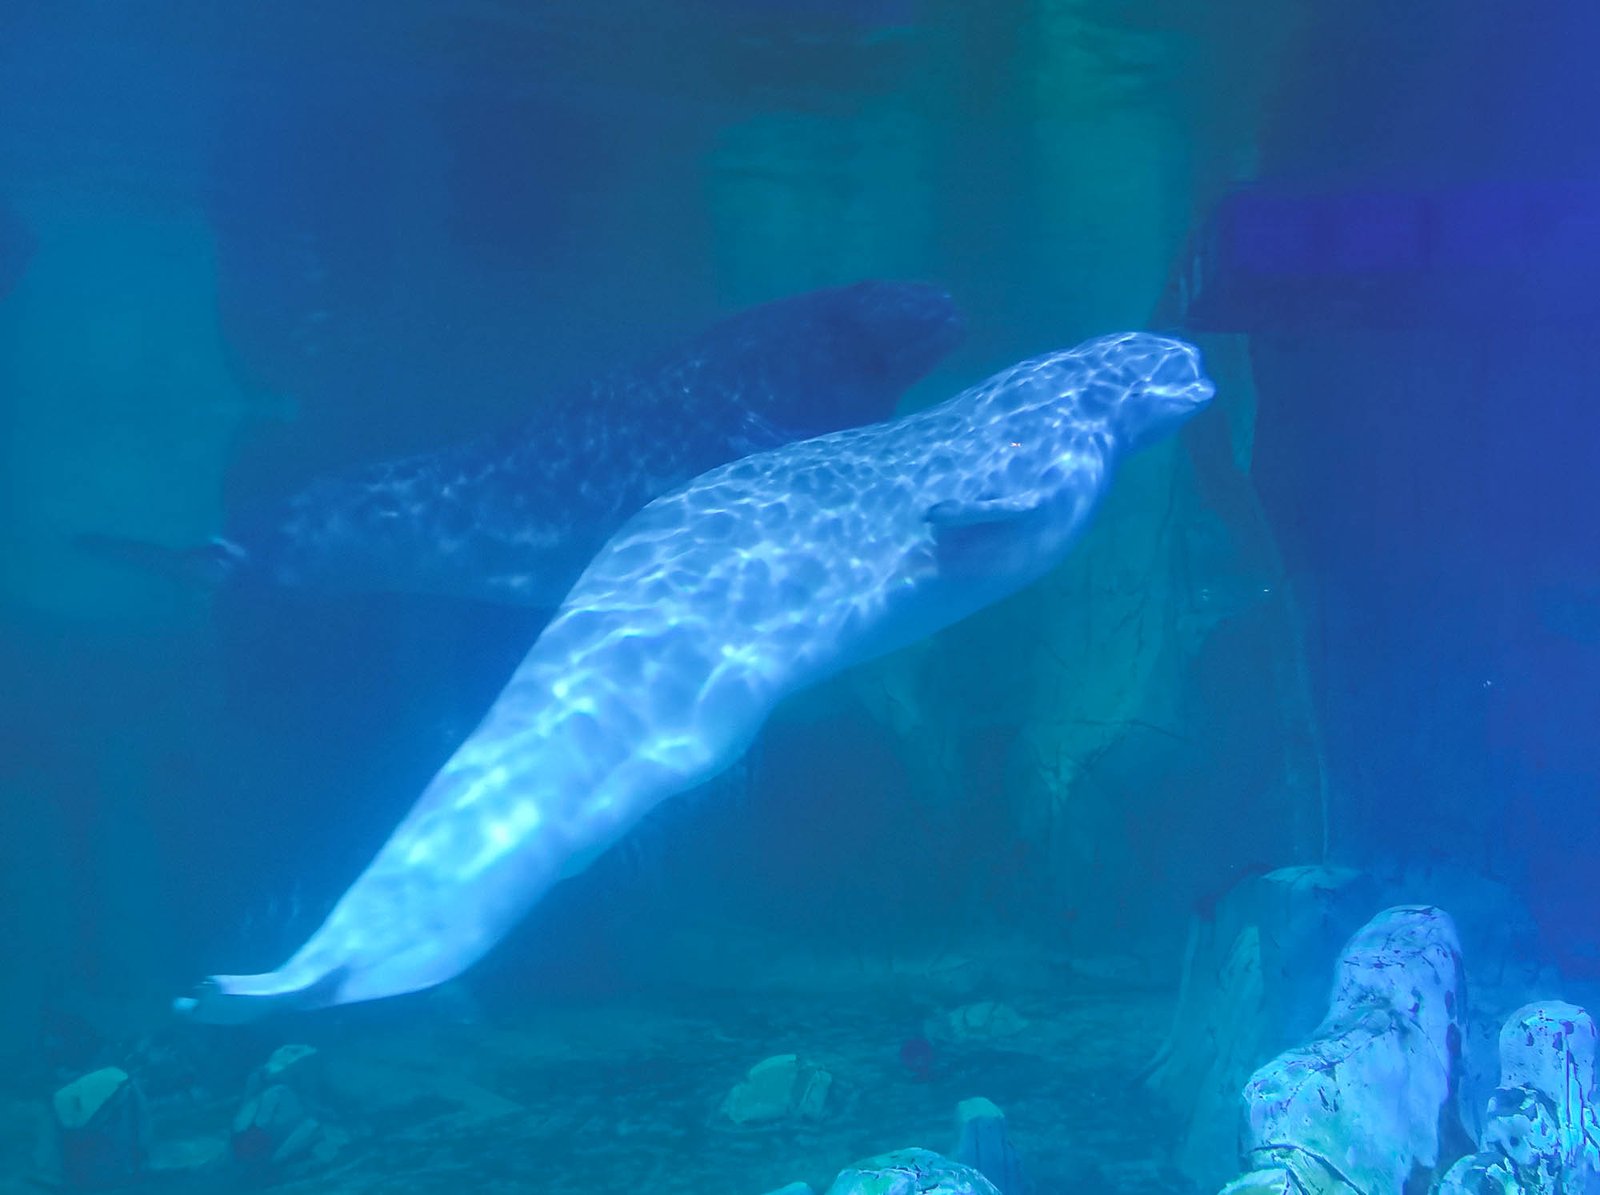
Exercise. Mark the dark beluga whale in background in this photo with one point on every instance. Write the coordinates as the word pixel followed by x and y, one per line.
pixel 513 516
pixel 708 607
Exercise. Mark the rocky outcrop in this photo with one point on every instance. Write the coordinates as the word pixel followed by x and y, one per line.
pixel 1358 1109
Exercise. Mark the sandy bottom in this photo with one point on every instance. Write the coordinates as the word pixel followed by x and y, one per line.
pixel 625 1096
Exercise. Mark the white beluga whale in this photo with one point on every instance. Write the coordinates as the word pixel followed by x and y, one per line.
pixel 699 615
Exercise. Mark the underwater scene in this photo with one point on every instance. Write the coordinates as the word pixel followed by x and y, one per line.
pixel 824 597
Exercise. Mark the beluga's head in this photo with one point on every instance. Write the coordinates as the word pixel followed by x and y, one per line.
pixel 1138 386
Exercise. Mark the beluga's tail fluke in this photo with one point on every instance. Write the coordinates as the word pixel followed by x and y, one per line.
pixel 242 999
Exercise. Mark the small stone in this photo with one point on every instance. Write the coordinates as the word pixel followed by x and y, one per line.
pixel 245 1118
pixel 985 1020
pixel 776 1088
pixel 329 1144
pixel 298 1143
pixel 264 1123
pixel 277 1109
pixel 766 1092
pixel 1488 1172
pixel 812 1100
pixel 295 1066
pixel 101 1130
pixel 778 1064
pixel 1273 1180
pixel 983 1143
pixel 79 1102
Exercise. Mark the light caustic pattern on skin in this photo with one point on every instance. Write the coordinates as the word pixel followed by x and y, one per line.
pixel 707 608
pixel 514 516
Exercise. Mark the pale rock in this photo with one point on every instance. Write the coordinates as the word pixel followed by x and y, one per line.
pixel 985 1020
pixel 1483 1173
pixel 779 1087
pixel 983 1143
pixel 1541 1135
pixel 265 1120
pixel 766 1091
pixel 1407 958
pixel 101 1130
pixel 911 1172
pixel 1254 982
pixel 298 1143
pixel 811 1099
pixel 298 1067
pixel 1275 1180
pixel 79 1103
pixel 272 1131
pixel 1355 1102
pixel 1359 1108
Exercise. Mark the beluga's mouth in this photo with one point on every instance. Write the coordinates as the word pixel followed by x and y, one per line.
pixel 1178 378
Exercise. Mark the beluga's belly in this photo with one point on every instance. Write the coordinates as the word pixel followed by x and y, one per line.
pixel 708 607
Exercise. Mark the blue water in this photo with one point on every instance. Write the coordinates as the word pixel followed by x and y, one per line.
pixel 1351 617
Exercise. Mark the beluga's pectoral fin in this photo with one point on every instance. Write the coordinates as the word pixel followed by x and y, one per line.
pixel 983 535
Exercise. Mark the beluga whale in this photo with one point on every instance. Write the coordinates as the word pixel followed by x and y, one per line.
pixel 706 609
pixel 512 516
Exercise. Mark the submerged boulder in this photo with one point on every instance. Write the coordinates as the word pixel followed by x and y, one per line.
pixel 983 1021
pixel 911 1172
pixel 1541 1135
pixel 1254 982
pixel 295 1066
pixel 277 1130
pixel 101 1130
pixel 1359 1108
pixel 779 1087
pixel 983 1142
